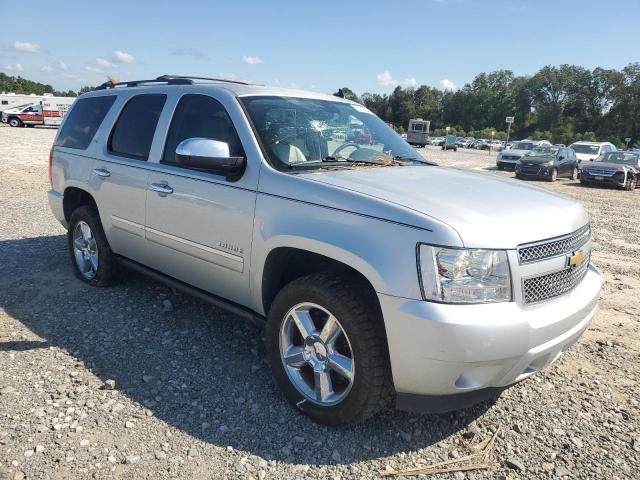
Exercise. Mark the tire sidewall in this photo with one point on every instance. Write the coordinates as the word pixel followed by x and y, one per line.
pixel 336 415
pixel 14 122
pixel 106 271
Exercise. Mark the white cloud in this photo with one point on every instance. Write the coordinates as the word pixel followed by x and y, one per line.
pixel 123 57
pixel 385 79
pixel 62 66
pixel 101 62
pixel 47 68
pixel 447 84
pixel 15 67
pixel 92 69
pixel 251 60
pixel 26 47
pixel 59 67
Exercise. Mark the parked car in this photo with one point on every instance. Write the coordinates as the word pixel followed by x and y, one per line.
pixel 548 163
pixel 402 280
pixel 436 141
pixel 621 169
pixel 510 156
pixel 589 151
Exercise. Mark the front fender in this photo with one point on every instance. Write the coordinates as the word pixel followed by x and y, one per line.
pixel 384 252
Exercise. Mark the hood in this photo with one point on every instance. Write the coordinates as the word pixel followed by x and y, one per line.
pixel 608 166
pixel 515 153
pixel 536 160
pixel 487 211
pixel 12 110
pixel 586 157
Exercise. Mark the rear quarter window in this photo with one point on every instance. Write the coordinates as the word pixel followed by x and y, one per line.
pixel 83 121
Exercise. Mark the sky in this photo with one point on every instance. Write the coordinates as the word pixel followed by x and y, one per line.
pixel 368 46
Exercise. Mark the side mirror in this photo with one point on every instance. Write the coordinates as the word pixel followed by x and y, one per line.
pixel 209 155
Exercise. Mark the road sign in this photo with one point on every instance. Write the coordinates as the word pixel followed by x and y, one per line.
pixel 509 119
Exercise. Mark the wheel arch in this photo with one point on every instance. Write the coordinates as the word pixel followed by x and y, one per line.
pixel 283 264
pixel 74 197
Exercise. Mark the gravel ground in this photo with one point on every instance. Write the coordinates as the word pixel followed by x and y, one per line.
pixel 139 381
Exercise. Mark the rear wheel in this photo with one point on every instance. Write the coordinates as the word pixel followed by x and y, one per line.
pixel 93 260
pixel 327 349
pixel 631 184
pixel 15 122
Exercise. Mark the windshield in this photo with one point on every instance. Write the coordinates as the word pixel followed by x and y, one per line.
pixel 543 152
pixel 588 149
pixel 311 133
pixel 622 158
pixel 522 146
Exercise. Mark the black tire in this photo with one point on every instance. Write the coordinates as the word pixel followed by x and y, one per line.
pixel 15 122
pixel 518 176
pixel 585 183
pixel 346 299
pixel 109 271
pixel 500 167
pixel 554 175
pixel 574 173
pixel 631 184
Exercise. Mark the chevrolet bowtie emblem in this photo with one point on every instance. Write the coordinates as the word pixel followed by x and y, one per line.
pixel 576 258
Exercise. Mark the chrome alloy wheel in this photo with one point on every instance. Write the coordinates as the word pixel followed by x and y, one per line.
pixel 85 250
pixel 316 354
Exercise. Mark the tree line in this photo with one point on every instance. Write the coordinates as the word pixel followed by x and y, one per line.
pixel 561 104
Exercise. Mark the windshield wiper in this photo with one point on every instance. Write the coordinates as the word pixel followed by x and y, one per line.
pixel 414 159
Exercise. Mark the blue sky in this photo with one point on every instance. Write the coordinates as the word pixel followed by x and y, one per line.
pixel 368 46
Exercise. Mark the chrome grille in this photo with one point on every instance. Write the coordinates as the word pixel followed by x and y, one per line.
pixel 604 172
pixel 554 247
pixel 544 287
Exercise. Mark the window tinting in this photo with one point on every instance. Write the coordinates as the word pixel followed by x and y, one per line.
pixel 200 116
pixel 133 133
pixel 5 102
pixel 83 121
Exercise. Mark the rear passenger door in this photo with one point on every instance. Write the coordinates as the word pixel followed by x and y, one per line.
pixel 121 173
pixel 199 224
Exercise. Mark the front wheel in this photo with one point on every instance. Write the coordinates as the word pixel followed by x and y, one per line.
pixel 554 175
pixel 631 184
pixel 574 174
pixel 327 349
pixel 15 122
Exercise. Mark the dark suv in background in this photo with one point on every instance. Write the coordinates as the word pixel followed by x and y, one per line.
pixel 548 163
pixel 620 169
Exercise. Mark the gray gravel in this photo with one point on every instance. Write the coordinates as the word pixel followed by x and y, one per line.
pixel 138 381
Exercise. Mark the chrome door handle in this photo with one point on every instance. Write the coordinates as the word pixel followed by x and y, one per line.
pixel 161 188
pixel 102 172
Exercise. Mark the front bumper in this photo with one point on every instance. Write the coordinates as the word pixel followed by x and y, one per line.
pixel 613 180
pixel 446 350
pixel 57 206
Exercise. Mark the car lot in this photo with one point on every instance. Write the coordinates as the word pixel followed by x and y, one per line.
pixel 193 397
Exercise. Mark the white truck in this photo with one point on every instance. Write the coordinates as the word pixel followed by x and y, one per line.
pixel 48 110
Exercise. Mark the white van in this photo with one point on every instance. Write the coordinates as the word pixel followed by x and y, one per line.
pixel 589 151
pixel 48 111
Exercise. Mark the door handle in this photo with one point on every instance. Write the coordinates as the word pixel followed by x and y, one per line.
pixel 102 172
pixel 161 188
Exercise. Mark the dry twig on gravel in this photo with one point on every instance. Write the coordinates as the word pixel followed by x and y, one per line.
pixel 479 460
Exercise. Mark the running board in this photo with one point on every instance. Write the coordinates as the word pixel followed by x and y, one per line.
pixel 210 298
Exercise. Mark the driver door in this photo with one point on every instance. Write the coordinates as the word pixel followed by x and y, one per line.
pixel 199 225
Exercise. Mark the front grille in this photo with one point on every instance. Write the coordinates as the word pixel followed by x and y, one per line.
pixel 529 170
pixel 603 172
pixel 510 157
pixel 544 287
pixel 538 251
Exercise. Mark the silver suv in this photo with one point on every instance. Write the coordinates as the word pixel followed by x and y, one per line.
pixel 378 275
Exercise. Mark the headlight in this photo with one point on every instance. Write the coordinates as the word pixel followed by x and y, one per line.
pixel 453 275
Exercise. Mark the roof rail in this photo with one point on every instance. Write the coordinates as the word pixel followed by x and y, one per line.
pixel 167 79
pixel 189 77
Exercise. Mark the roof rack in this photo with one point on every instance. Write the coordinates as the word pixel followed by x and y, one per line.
pixel 166 79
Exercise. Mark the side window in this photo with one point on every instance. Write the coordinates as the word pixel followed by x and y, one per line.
pixel 204 117
pixel 5 102
pixel 133 132
pixel 83 121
